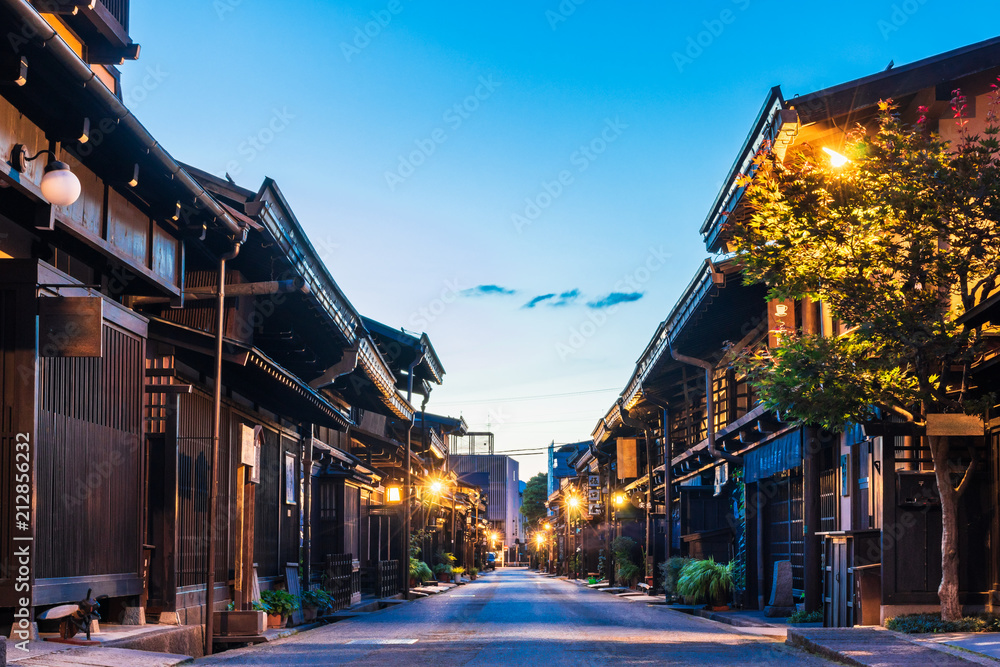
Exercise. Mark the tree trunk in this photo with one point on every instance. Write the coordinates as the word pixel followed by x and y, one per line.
pixel 951 609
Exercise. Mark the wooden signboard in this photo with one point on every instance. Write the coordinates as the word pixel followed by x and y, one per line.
pixel 295 588
pixel 942 424
pixel 70 326
pixel 780 317
pixel 628 458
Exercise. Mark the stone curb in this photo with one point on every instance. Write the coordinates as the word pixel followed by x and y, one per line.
pixel 796 639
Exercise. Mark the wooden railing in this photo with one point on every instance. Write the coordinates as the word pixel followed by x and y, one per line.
pixel 118 9
pixel 342 579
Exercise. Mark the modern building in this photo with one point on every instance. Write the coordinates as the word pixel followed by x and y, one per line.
pixel 504 509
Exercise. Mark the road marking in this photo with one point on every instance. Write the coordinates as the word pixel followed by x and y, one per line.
pixel 382 641
pixel 462 595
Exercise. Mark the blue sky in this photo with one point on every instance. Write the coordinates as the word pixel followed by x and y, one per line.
pixel 524 181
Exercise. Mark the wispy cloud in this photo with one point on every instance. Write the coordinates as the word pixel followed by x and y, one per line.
pixel 488 290
pixel 553 300
pixel 538 299
pixel 566 298
pixel 614 299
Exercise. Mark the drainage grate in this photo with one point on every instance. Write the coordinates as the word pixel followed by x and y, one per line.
pixel 382 641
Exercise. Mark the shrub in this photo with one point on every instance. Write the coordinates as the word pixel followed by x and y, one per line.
pixel 626 568
pixel 705 581
pixel 420 570
pixel 473 571
pixel 442 568
pixel 281 603
pixel 806 617
pixel 671 571
pixel 920 623
pixel 317 599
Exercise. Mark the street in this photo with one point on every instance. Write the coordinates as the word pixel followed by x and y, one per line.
pixel 514 617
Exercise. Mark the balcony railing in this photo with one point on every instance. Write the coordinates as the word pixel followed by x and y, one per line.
pixel 119 10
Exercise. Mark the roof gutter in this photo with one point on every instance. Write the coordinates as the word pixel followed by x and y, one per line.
pixel 88 79
pixel 709 403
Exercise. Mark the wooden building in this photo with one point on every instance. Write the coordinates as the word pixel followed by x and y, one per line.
pixel 730 480
pixel 109 320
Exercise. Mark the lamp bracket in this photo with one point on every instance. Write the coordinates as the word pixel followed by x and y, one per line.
pixel 19 156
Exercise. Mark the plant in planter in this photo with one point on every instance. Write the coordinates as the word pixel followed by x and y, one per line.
pixel 279 605
pixel 419 572
pixel 443 572
pixel 627 571
pixel 458 572
pixel 472 573
pixel 671 571
pixel 315 603
pixel 708 581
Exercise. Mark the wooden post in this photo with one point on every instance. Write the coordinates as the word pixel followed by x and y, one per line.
pixel 240 580
pixel 811 514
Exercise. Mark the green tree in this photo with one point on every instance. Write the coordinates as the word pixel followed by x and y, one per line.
pixel 899 242
pixel 536 492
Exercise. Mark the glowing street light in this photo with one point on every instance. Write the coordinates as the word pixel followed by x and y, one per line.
pixel 540 539
pixel 836 159
pixel 573 502
pixel 437 487
pixel 619 499
pixel 548 526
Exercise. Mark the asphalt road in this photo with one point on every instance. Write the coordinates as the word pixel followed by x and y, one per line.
pixel 514 617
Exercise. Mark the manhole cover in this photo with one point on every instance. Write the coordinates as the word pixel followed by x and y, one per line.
pixel 382 641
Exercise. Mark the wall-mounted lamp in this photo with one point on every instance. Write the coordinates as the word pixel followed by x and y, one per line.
pixel 619 499
pixel 393 494
pixel 60 186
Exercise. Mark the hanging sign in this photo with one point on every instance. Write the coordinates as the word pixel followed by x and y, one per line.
pixel 780 318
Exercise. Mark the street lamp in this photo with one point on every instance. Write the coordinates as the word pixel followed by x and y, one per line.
pixel 572 502
pixel 836 159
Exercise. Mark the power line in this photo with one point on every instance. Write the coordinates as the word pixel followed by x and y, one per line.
pixel 529 398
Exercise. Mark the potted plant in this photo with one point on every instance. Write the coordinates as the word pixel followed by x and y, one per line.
pixel 279 605
pixel 472 573
pixel 419 572
pixel 458 572
pixel 315 603
pixel 627 571
pixel 443 572
pixel 708 581
pixel 671 571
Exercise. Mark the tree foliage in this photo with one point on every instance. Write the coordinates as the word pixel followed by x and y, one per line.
pixel 536 492
pixel 899 242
